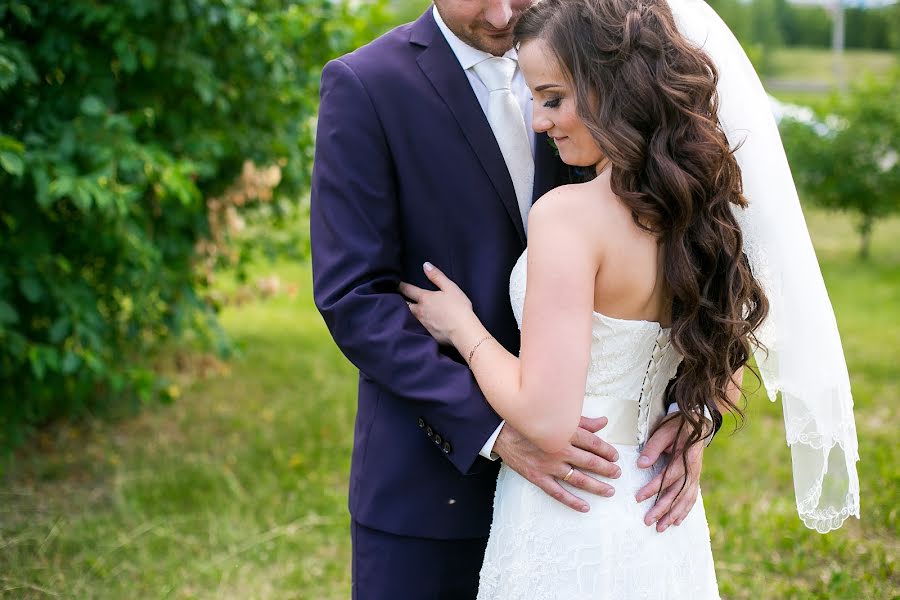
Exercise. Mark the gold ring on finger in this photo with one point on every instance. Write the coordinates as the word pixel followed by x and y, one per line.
pixel 569 474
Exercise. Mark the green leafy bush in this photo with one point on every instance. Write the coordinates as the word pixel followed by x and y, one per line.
pixel 849 159
pixel 120 124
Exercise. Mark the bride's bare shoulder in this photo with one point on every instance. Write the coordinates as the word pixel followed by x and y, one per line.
pixel 589 207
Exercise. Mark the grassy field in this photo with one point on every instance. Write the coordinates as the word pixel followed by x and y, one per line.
pixel 806 75
pixel 817 64
pixel 238 489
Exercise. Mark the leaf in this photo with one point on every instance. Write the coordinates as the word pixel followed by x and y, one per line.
pixel 104 199
pixel 59 330
pixel 42 187
pixel 81 196
pixel 50 356
pixel 8 314
pixel 92 106
pixel 70 362
pixel 38 366
pixel 21 12
pixel 32 288
pixel 8 143
pixel 9 73
pixel 61 187
pixel 12 163
pixel 127 56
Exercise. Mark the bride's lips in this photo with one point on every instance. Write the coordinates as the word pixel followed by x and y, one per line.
pixel 559 139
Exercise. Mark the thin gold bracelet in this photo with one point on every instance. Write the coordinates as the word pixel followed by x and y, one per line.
pixel 475 347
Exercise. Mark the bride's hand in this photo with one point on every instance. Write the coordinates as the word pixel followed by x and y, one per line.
pixel 677 489
pixel 445 312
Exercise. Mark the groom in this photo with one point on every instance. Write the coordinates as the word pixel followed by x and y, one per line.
pixel 412 165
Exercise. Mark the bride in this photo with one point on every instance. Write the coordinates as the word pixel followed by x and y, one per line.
pixel 658 263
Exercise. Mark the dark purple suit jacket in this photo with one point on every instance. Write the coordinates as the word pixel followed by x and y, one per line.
pixel 407 170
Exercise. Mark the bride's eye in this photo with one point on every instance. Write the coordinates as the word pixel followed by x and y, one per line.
pixel 553 102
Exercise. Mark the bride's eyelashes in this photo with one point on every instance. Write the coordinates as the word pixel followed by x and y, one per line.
pixel 553 102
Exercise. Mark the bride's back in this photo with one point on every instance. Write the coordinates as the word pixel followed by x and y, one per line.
pixel 629 280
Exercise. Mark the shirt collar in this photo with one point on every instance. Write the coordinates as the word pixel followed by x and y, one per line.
pixel 467 56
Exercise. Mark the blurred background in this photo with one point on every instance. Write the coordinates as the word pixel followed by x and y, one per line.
pixel 175 421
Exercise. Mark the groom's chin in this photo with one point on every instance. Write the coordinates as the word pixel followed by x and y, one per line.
pixel 497 44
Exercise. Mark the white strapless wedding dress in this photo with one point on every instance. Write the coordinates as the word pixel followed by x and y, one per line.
pixel 541 550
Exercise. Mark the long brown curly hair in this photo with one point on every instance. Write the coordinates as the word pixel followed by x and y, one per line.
pixel 648 97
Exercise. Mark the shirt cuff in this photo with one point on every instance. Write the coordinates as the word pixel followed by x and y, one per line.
pixel 487 449
pixel 673 408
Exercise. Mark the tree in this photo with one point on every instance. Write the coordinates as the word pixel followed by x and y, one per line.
pixel 119 121
pixel 850 161
pixel 756 25
pixel 806 25
pixel 869 27
pixel 893 20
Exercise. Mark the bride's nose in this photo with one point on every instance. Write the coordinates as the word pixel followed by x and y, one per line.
pixel 539 122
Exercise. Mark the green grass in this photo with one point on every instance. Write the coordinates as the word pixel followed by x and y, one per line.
pixel 238 489
pixel 796 68
pixel 762 550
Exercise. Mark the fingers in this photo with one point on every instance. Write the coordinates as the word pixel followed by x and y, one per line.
pixel 538 467
pixel 436 276
pixel 680 491
pixel 589 484
pixel 685 502
pixel 662 506
pixel 682 507
pixel 661 441
pixel 649 490
pixel 593 424
pixel 553 489
pixel 590 462
pixel 416 294
pixel 675 473
pixel 595 445
pixel 433 274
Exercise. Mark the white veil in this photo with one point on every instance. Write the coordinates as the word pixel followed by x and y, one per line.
pixel 805 360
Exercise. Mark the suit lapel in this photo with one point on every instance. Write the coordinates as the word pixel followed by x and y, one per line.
pixel 440 66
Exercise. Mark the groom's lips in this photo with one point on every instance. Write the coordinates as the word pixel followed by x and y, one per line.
pixel 499 32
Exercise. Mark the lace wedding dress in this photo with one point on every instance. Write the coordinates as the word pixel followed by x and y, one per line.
pixel 541 550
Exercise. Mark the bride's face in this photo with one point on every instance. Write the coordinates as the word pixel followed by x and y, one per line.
pixel 554 108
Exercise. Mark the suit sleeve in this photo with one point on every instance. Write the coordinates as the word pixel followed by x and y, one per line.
pixel 355 226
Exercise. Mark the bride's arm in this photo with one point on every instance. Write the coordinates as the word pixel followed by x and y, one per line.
pixel 541 393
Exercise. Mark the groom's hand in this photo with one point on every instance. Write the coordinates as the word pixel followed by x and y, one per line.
pixel 674 502
pixel 586 452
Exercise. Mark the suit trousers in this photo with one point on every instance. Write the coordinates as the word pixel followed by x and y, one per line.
pixel 395 567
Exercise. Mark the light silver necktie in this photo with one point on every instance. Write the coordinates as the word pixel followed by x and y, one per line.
pixel 506 120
